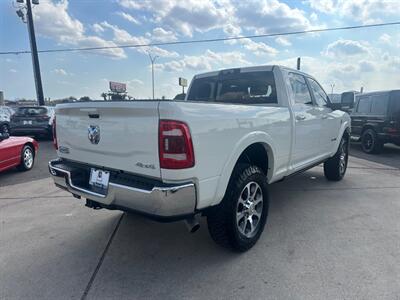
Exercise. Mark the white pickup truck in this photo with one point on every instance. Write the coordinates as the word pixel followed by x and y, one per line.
pixel 212 154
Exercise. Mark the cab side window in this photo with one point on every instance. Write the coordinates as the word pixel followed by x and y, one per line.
pixel 300 89
pixel 364 105
pixel 321 98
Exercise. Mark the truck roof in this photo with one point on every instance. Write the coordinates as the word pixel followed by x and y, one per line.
pixel 247 69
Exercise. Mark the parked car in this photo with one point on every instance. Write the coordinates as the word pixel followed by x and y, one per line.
pixel 17 152
pixel 215 153
pixel 4 122
pixel 32 120
pixel 375 119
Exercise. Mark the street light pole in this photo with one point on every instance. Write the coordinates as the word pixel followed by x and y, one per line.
pixel 152 59
pixel 332 86
pixel 35 57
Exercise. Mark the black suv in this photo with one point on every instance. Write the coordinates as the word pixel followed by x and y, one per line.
pixel 375 119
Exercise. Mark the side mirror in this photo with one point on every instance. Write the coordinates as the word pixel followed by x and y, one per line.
pixel 335 106
pixel 4 136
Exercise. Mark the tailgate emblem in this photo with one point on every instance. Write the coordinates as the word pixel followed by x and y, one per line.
pixel 94 134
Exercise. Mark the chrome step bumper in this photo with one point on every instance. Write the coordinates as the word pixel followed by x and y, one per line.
pixel 159 201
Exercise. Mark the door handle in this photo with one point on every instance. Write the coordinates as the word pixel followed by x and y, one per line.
pixel 300 117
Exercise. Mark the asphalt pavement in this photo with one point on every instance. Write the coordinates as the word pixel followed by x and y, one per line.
pixel 323 240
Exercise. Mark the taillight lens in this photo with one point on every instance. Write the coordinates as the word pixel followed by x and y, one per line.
pixel 175 145
pixel 55 134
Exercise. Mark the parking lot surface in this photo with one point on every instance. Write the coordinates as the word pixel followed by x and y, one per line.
pixel 322 240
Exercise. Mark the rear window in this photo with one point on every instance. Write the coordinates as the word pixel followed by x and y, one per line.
pixel 31 111
pixel 379 104
pixel 237 88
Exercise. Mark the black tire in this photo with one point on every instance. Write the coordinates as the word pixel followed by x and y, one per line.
pixel 231 229
pixel 4 128
pixel 370 142
pixel 336 166
pixel 26 163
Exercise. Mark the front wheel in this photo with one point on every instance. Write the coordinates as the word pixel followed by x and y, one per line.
pixel 238 221
pixel 27 159
pixel 336 166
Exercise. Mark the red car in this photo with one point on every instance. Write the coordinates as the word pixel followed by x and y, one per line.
pixel 17 152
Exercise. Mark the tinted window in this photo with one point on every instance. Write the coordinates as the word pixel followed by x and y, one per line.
pixel 31 111
pixel 320 96
pixel 395 100
pixel 364 105
pixel 379 104
pixel 246 88
pixel 299 89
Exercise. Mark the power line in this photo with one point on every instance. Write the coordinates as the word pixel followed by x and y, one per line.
pixel 206 40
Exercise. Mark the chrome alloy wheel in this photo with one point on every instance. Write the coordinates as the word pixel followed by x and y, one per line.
pixel 28 158
pixel 343 158
pixel 249 209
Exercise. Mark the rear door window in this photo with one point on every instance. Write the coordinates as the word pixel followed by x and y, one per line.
pixel 237 88
pixel 300 89
pixel 379 104
pixel 364 105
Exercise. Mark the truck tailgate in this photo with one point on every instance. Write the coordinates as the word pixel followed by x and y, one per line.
pixel 127 134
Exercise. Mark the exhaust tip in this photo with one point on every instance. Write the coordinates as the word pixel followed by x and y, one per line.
pixel 192 224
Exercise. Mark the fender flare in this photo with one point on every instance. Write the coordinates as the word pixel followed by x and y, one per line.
pixel 248 140
pixel 344 127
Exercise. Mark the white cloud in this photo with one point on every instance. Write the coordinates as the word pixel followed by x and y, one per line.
pixel 343 47
pixel 283 41
pixel 60 72
pixel 367 66
pixel 97 28
pixel 161 35
pixel 122 37
pixel 385 38
pixel 128 17
pixel 135 81
pixel 13 71
pixel 186 16
pixel 258 48
pixel 365 11
pixel 266 16
pixel 207 61
pixel 53 21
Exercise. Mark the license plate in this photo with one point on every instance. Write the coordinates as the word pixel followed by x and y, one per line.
pixel 99 178
pixel 27 122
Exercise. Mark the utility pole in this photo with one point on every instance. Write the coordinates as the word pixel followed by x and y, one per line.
pixel 152 59
pixel 34 52
pixel 298 63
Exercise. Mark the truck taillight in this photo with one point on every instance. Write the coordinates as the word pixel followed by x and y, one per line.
pixel 175 145
pixel 55 134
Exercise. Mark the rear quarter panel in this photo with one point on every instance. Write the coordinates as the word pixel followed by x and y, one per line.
pixel 220 133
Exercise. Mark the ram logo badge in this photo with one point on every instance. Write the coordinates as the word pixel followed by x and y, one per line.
pixel 94 134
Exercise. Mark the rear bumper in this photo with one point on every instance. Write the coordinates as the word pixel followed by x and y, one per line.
pixel 30 130
pixel 161 202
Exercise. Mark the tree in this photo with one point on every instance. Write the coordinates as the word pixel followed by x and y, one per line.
pixel 85 98
pixel 104 95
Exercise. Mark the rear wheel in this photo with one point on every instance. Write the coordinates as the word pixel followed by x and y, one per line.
pixel 370 142
pixel 239 220
pixel 27 158
pixel 336 166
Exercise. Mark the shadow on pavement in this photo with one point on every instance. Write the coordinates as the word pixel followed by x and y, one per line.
pixel 389 156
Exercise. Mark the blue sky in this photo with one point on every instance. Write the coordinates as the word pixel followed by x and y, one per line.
pixel 348 59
